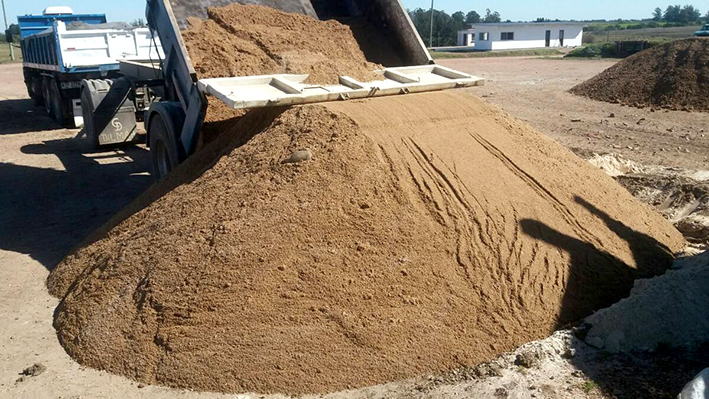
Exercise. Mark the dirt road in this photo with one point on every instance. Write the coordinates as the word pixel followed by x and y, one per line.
pixel 56 190
pixel 535 90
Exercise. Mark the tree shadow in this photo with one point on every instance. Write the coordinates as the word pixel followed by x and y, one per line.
pixel 22 116
pixel 44 212
pixel 597 280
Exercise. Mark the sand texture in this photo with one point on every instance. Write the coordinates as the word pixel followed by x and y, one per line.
pixel 240 40
pixel 427 231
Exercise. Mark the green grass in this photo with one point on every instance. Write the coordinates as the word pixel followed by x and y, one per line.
pixel 5 53
pixel 589 386
pixel 669 33
pixel 483 54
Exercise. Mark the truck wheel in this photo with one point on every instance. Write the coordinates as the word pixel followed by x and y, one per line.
pixel 163 148
pixel 36 91
pixel 58 106
pixel 47 96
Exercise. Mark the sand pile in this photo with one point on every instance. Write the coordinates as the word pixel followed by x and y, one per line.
pixel 240 40
pixel 427 232
pixel 673 76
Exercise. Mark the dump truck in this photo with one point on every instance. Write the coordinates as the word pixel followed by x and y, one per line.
pixel 60 49
pixel 173 122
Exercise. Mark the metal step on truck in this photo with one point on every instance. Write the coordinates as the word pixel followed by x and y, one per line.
pixel 61 50
pixel 174 119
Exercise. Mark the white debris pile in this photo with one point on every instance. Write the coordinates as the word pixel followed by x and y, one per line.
pixel 615 165
pixel 698 388
pixel 672 309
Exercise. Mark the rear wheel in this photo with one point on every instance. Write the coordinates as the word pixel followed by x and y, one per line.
pixel 58 105
pixel 163 147
pixel 47 96
pixel 36 91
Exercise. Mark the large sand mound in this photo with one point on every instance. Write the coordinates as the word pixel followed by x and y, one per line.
pixel 673 76
pixel 428 232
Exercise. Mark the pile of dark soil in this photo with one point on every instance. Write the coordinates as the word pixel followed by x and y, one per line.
pixel 427 232
pixel 673 76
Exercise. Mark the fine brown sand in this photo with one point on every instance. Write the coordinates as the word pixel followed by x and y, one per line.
pixel 428 232
pixel 240 40
pixel 673 76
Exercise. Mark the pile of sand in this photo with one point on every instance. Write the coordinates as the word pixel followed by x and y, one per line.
pixel 240 40
pixel 673 76
pixel 427 232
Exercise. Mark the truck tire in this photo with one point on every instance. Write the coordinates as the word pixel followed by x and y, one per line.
pixel 92 92
pixel 36 91
pixel 163 147
pixel 58 104
pixel 47 96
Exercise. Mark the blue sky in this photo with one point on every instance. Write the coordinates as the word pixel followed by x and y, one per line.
pixel 127 10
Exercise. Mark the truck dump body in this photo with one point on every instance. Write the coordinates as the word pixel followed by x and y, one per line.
pixel 387 20
pixel 31 24
pixel 61 49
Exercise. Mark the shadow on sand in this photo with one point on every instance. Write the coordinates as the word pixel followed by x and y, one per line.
pixel 44 212
pixel 661 374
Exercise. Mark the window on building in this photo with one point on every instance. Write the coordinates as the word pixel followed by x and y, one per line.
pixel 508 36
pixel 484 36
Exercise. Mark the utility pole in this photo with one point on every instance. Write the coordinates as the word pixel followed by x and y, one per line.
pixel 430 36
pixel 4 15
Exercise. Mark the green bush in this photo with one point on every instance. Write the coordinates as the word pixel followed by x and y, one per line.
pixel 589 38
pixel 605 50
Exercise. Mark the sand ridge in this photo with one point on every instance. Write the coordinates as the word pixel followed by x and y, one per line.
pixel 428 231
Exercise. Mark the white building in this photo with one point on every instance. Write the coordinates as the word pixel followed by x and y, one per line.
pixel 466 37
pixel 514 35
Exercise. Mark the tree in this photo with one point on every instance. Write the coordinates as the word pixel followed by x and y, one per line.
pixel 445 29
pixel 657 14
pixel 672 13
pixel 492 16
pixel 138 23
pixel 706 18
pixel 472 18
pixel 682 15
pixel 542 19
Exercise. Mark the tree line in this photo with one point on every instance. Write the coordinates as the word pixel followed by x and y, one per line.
pixel 445 26
pixel 676 14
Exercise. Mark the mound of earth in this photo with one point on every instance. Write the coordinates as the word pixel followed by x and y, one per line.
pixel 240 40
pixel 673 76
pixel 425 232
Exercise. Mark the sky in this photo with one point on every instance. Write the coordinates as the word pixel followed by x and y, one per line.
pixel 515 10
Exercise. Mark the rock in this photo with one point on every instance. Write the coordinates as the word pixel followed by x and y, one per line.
pixel 569 353
pixel 528 359
pixel 596 342
pixel 299 156
pixel 614 341
pixel 34 370
pixel 698 388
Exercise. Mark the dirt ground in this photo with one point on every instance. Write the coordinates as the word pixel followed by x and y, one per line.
pixel 56 190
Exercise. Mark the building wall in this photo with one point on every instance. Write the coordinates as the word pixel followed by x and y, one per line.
pixel 466 37
pixel 527 36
